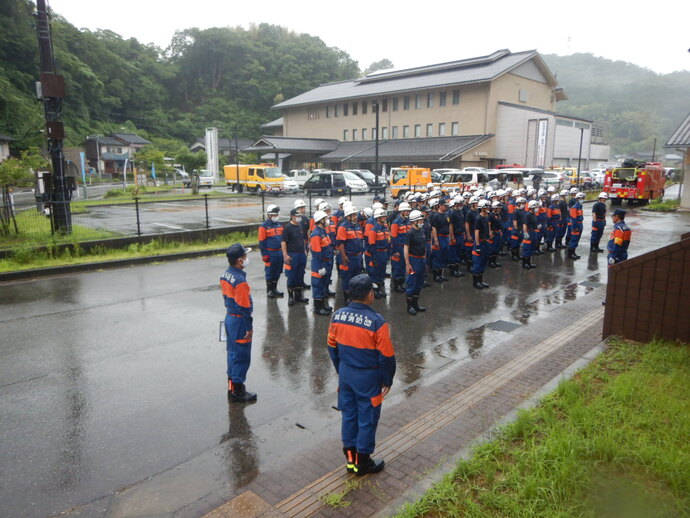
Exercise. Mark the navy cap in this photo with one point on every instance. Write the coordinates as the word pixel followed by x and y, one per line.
pixel 619 212
pixel 360 286
pixel 295 212
pixel 234 252
pixel 425 208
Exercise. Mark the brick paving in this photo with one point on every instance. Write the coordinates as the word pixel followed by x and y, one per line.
pixel 436 422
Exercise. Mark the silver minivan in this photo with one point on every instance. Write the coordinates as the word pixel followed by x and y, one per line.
pixel 299 176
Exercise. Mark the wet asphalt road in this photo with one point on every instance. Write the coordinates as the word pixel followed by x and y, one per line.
pixel 116 379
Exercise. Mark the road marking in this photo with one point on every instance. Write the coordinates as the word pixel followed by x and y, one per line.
pixel 174 227
pixel 229 220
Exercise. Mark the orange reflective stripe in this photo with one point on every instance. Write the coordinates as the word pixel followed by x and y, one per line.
pixel 244 340
pixel 288 267
pixel 315 275
pixel 342 233
pixel 377 400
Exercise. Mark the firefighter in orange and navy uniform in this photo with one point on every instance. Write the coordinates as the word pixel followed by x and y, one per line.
pixel 238 322
pixel 576 225
pixel 362 353
pixel 270 240
pixel 350 248
pixel 379 248
pixel 620 238
pixel 321 263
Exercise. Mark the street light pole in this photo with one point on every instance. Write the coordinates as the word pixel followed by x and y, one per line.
pixel 375 106
pixel 579 158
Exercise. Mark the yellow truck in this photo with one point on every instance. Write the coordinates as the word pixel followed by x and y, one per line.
pixel 405 178
pixel 254 178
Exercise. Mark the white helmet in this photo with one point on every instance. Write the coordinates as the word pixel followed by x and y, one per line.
pixel 564 192
pixel 299 204
pixel 349 209
pixel 430 185
pixel 319 215
pixel 551 188
pixel 603 195
pixel 533 204
pixel 484 204
pixel 573 190
pixel 555 197
pixel 474 200
pixel 452 202
pixel 272 209
pixel 531 191
pixel 433 202
pixel 459 198
pixel 368 212
pixel 508 190
pixel 404 206
pixel 324 206
pixel 541 193
pixel 520 192
pixel 580 195
pixel 408 195
pixel 378 213
pixel 496 205
pixel 501 193
pixel 473 187
pixel 467 195
pixel 416 215
pixel 520 199
pixel 342 200
pixel 377 205
pixel 479 193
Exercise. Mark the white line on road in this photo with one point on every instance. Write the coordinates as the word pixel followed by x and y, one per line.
pixel 229 220
pixel 169 226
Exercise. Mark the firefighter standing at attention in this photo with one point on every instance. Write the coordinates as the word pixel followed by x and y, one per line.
pixel 270 239
pixel 598 222
pixel 362 353
pixel 620 238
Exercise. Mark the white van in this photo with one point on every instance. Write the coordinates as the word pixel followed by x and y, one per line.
pixel 299 176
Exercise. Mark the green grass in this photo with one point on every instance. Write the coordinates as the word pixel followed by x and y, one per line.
pixel 337 500
pixel 611 442
pixel 663 205
pixel 25 257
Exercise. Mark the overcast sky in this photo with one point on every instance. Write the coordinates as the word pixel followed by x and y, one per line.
pixel 649 34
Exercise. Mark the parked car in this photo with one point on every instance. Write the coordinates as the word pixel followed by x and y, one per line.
pixel 331 182
pixel 205 177
pixel 290 186
pixel 542 180
pixel 369 178
pixel 299 176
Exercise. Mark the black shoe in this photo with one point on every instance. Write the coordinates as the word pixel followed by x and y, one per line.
pixel 440 272
pixel 319 308
pixel 399 285
pixel 476 283
pixel 299 297
pixel 410 306
pixel 291 297
pixel 306 286
pixel 550 248
pixel 515 254
pixel 350 454
pixel 269 290
pixel 527 263
pixel 481 281
pixel 275 289
pixel 572 254
pixel 365 464
pixel 380 290
pixel 240 395
pixel 415 303
pixel 437 275
pixel 330 293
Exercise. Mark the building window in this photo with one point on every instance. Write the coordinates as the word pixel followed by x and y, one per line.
pixel 523 96
pixel 442 99
pixel 384 133
pixel 429 130
pixel 384 105
pixel 354 134
pixel 346 109
pixel 312 114
pixel 454 128
pixel 406 132
pixel 354 108
pixel 563 122
pixel 429 100
pixel 394 131
pixel 417 130
pixel 328 112
pixel 456 96
pixel 345 132
pixel 395 104
pixel 406 102
pixel 582 125
pixel 441 129
pixel 373 133
pixel 364 133
pixel 364 107
pixel 337 110
pixel 418 101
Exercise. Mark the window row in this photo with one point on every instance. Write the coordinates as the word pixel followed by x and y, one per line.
pixel 419 100
pixel 363 134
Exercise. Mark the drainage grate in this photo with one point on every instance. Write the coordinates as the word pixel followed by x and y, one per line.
pixel 503 325
pixel 591 284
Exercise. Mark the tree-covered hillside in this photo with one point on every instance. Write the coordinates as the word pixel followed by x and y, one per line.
pixel 638 104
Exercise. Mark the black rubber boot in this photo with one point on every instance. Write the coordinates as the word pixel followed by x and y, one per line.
pixel 381 290
pixel 481 281
pixel 493 262
pixel 270 292
pixel 515 254
pixel 350 454
pixel 550 248
pixel 410 306
pixel 330 293
pixel 399 285
pixel 291 297
pixel 572 254
pixel 559 244
pixel 527 263
pixel 306 286
pixel 476 283
pixel 299 297
pixel 326 305
pixel 275 289
pixel 437 275
pixel 240 395
pixel 377 292
pixel 443 278
pixel 415 303
pixel 319 308
pixel 365 465
pixel 468 263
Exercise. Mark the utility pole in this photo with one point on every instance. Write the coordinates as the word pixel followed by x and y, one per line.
pixel 51 90
pixel 579 158
pixel 375 106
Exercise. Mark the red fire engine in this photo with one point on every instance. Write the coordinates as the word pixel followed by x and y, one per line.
pixel 637 182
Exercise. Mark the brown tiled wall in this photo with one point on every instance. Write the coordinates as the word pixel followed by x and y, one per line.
pixel 649 296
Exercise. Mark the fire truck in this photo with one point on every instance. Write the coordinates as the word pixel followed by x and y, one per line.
pixel 637 182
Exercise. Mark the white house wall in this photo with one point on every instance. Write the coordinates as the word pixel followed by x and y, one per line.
pixel 516 139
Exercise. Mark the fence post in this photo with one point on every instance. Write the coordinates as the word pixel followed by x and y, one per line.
pixel 309 196
pixel 136 206
pixel 263 209
pixel 206 207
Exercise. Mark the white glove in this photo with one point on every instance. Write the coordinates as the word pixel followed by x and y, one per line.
pixel 322 272
pixel 526 235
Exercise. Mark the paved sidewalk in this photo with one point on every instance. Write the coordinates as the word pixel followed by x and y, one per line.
pixel 435 421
